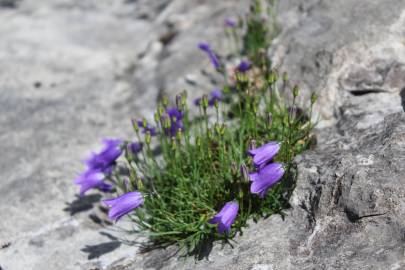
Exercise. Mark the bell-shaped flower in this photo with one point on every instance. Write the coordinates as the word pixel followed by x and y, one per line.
pixel 264 154
pixel 123 204
pixel 92 179
pixel 265 178
pixel 134 147
pixel 105 159
pixel 176 121
pixel 147 127
pixel 225 217
pixel 244 66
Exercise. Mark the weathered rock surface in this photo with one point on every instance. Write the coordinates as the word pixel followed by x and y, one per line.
pixel 71 73
pixel 74 71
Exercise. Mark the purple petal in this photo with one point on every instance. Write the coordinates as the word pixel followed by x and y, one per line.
pixel 253 177
pixel 225 217
pixel 204 47
pixel 107 156
pixel 231 23
pixel 213 57
pixel 244 66
pixel 266 178
pixel 264 154
pixel 135 147
pixel 124 204
pixel 197 101
pixel 88 180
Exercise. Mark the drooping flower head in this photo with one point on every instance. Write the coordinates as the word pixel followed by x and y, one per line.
pixel 92 179
pixel 105 159
pixel 176 121
pixel 135 147
pixel 225 217
pixel 230 23
pixel 244 66
pixel 147 127
pixel 264 154
pixel 123 204
pixel 216 95
pixel 265 178
pixel 205 47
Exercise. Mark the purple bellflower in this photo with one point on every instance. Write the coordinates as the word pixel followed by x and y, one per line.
pixel 216 95
pixel 225 217
pixel 264 154
pixel 230 23
pixel 176 121
pixel 244 66
pixel 92 179
pixel 105 159
pixel 123 204
pixel 148 127
pixel 135 147
pixel 205 47
pixel 265 178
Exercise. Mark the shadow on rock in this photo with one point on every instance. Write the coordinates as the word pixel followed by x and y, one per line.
pixel 96 251
pixel 402 94
pixel 81 204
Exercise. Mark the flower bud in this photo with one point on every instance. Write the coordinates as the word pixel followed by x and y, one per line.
pixel 273 77
pixel 285 77
pixel 148 137
pixel 216 103
pixel 174 145
pixel 314 97
pixel 296 91
pixel 179 103
pixel 204 101
pixel 161 110
pixel 135 125
pixel 209 134
pixel 156 117
pixel 179 134
pixel 139 184
pixel 165 101
pixel 144 123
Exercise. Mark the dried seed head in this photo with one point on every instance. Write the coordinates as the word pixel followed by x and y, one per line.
pixel 252 145
pixel 269 119
pixel 234 168
pixel 244 172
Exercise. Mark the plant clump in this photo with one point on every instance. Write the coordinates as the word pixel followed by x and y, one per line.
pixel 190 180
